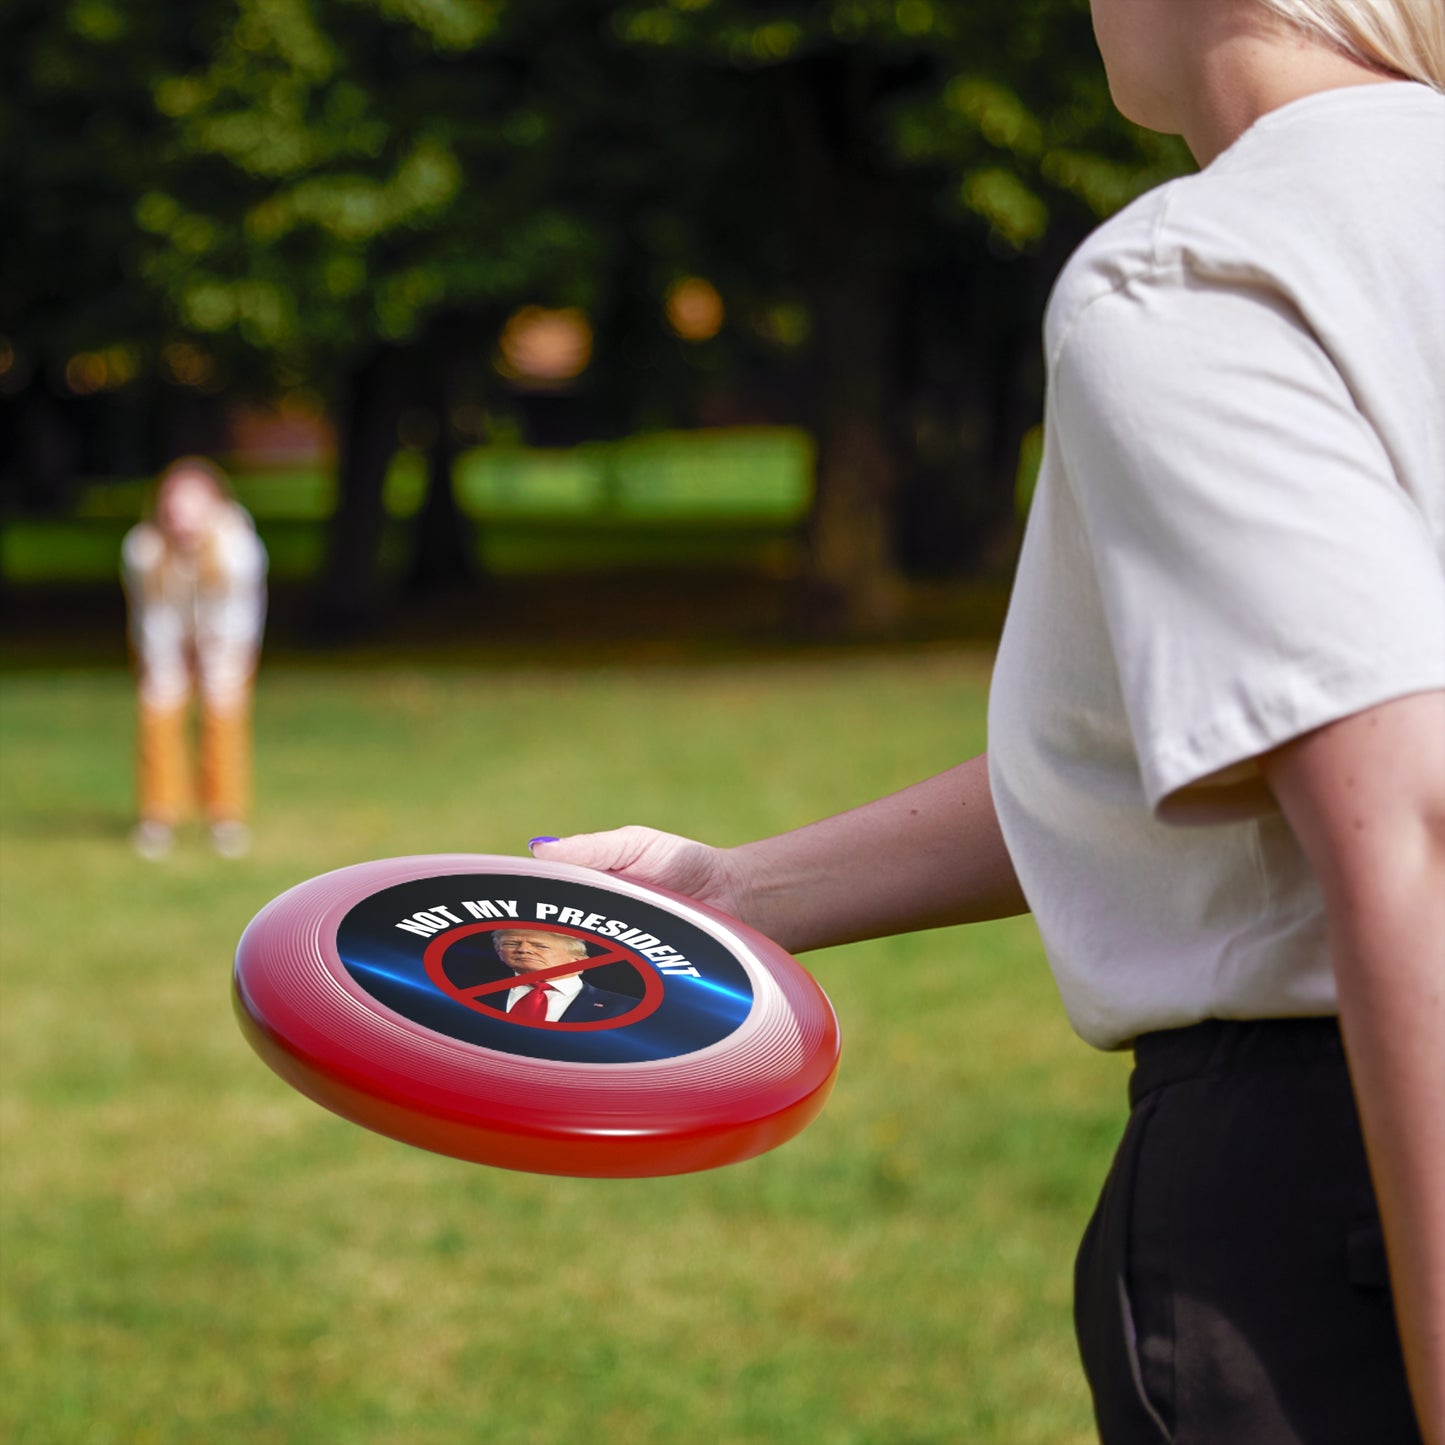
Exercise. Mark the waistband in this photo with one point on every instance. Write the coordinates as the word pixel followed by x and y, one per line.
pixel 1225 1046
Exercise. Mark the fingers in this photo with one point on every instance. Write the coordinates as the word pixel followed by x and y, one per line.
pixel 658 860
pixel 615 851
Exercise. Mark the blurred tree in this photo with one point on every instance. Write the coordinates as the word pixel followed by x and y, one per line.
pixel 367 188
pixel 354 195
pixel 79 139
pixel 917 171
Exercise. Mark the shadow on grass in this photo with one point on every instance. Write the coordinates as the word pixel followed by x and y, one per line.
pixel 603 619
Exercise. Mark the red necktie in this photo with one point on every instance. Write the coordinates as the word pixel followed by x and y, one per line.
pixel 532 1006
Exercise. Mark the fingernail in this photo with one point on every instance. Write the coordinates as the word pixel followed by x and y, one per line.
pixel 532 842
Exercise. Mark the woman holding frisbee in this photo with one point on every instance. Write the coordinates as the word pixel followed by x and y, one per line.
pixel 1217 734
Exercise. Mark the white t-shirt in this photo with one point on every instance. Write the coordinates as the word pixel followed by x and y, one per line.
pixel 195 619
pixel 1238 536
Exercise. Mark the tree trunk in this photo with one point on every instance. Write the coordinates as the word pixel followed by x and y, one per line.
pixel 442 558
pixel 852 563
pixel 349 600
pixel 851 264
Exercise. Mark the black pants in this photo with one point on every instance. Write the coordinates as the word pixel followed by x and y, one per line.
pixel 1231 1288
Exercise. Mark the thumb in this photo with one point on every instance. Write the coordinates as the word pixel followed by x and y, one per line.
pixel 609 852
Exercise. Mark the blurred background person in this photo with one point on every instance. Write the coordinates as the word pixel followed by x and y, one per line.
pixel 195 582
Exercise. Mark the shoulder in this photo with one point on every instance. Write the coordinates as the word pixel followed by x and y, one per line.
pixel 1339 190
pixel 239 548
pixel 1115 256
pixel 143 549
pixel 591 994
pixel 591 990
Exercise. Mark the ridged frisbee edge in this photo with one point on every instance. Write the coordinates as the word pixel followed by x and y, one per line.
pixel 630 1154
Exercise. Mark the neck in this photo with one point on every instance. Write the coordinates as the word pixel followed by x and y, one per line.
pixel 1248 65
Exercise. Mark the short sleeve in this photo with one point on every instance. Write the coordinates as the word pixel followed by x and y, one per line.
pixel 241 553
pixel 1263 570
pixel 140 555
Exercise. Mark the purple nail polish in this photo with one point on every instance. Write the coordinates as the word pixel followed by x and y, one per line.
pixel 532 842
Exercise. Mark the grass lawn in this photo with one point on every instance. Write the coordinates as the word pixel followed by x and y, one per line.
pixel 192 1252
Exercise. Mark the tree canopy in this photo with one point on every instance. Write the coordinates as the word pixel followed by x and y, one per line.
pixel 351 196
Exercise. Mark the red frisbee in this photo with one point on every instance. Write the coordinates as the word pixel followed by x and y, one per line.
pixel 403 995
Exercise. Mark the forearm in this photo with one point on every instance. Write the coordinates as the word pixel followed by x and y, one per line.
pixel 1390 970
pixel 926 857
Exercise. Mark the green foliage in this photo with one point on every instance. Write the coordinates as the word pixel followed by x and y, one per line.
pixel 1003 106
pixel 190 1251
pixel 341 173
pixel 299 178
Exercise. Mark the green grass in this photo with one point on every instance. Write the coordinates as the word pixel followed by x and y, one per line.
pixel 192 1252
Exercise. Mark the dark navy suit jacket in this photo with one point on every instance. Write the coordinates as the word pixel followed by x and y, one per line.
pixel 592 1004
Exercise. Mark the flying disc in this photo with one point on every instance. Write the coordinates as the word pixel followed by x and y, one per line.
pixel 690 1041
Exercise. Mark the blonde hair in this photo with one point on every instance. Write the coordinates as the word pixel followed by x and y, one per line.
pixel 193 466
pixel 210 569
pixel 1404 37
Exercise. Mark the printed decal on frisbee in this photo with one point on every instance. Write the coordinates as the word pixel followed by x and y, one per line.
pixel 638 983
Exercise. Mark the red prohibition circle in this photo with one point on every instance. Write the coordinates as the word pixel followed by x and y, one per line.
pixel 472 997
pixel 321 1030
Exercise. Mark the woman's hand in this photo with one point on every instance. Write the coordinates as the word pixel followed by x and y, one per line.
pixel 659 860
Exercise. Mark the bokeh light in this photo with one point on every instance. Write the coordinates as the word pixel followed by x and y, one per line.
pixel 88 372
pixel 186 364
pixel 695 310
pixel 544 347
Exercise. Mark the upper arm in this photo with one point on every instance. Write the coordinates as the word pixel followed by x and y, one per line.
pixel 1365 797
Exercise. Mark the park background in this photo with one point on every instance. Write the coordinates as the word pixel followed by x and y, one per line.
pixel 639 402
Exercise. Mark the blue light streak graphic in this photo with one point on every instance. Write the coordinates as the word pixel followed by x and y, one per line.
pixel 731 994
pixel 418 985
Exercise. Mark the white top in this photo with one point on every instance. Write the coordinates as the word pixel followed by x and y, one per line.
pixel 1238 536
pixel 196 619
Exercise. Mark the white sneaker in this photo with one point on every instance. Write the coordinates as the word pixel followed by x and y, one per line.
pixel 152 840
pixel 231 839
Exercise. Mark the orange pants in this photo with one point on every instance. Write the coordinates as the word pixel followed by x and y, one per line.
pixel 163 762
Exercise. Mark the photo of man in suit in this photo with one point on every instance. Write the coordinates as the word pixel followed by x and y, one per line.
pixel 563 998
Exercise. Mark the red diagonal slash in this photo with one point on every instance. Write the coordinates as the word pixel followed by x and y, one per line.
pixel 560 970
pixel 473 997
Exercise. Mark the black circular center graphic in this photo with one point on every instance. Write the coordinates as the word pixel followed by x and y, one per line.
pixel 544 968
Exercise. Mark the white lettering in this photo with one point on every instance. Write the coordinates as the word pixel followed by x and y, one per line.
pixel 636 938
pixel 423 924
